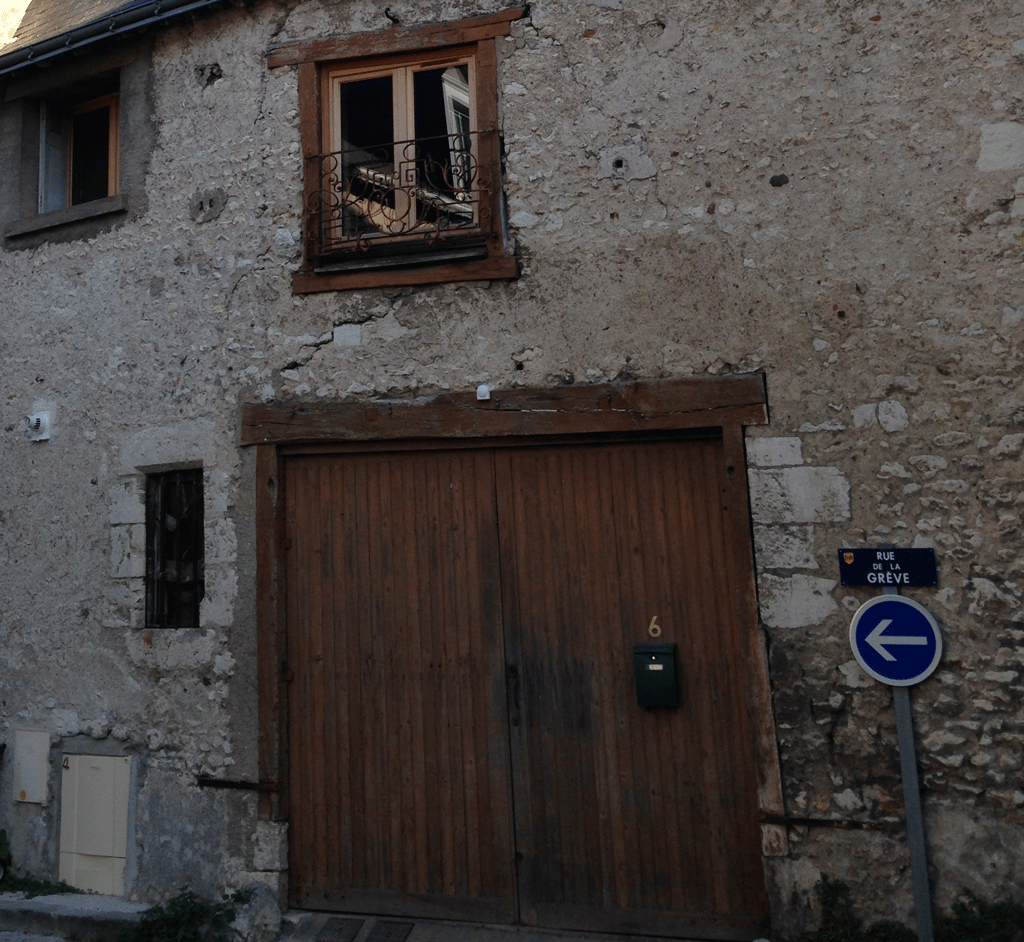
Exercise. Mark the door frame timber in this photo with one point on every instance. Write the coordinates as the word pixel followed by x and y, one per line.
pixel 460 419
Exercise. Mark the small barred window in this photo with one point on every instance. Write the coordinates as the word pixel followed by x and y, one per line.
pixel 174 548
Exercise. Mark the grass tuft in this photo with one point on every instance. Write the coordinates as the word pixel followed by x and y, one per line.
pixel 972 920
pixel 184 918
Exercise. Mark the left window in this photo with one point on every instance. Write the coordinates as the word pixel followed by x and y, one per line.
pixel 78 151
pixel 75 165
pixel 175 555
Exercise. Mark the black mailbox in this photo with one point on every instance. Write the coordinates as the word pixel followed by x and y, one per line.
pixel 655 667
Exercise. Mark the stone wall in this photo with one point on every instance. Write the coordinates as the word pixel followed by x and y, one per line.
pixel 828 193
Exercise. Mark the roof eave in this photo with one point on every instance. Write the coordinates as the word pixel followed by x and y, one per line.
pixel 113 24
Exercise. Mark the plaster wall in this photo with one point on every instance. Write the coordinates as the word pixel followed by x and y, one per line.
pixel 831 194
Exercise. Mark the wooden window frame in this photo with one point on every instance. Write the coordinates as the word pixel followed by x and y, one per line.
pixel 111 102
pixel 401 71
pixel 318 62
pixel 48 201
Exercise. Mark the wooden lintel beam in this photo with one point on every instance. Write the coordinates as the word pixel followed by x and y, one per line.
pixel 652 405
pixel 396 39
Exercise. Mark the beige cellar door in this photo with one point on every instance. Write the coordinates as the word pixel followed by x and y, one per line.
pixel 94 822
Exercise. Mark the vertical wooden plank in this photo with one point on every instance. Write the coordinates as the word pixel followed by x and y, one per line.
pixel 672 738
pixel 329 692
pixel 655 776
pixel 512 576
pixel 596 691
pixel 744 885
pixel 434 740
pixel 715 733
pixel 342 523
pixel 553 620
pixel 685 623
pixel 458 511
pixel 489 157
pixel 362 683
pixel 270 624
pixel 377 691
pixel 608 700
pixel 420 691
pixel 362 671
pixel 315 786
pixel 627 529
pixel 302 850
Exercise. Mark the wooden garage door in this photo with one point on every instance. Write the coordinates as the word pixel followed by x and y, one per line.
pixel 464 734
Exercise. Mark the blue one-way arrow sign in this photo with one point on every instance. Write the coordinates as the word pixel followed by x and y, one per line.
pixel 895 640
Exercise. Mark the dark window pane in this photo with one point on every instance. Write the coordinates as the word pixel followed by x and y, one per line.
pixel 366 114
pixel 441 111
pixel 174 549
pixel 367 158
pixel 90 155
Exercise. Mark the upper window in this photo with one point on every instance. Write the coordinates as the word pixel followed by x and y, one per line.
pixel 403 173
pixel 77 152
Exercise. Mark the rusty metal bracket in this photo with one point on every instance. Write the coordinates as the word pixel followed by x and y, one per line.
pixel 207 781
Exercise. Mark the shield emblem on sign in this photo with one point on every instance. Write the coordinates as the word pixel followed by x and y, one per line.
pixel 848 558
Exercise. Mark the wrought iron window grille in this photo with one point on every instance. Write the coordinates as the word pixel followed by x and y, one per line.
pixel 175 553
pixel 402 201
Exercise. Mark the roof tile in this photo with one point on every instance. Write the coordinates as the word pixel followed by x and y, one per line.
pixel 44 19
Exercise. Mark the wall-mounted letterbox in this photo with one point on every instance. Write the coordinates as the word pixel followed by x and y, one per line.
pixel 654 664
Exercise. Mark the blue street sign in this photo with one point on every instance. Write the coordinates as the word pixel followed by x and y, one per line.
pixel 895 640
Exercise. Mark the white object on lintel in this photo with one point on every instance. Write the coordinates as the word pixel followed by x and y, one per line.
pixel 482 392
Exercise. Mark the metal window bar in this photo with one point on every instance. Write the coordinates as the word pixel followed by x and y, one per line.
pixel 175 577
pixel 405 196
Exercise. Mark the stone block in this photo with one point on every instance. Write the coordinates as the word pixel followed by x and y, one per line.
pixel 257 914
pixel 865 415
pixel 218 605
pixel 797 601
pixel 853 676
pixel 170 445
pixel 892 416
pixel 784 547
pixel 126 503
pixel 1009 446
pixel 278 882
pixel 799 495
pixel 772 452
pixel 128 551
pixel 1002 147
pixel 348 335
pixel 270 846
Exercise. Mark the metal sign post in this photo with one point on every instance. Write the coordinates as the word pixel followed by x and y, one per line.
pixel 915 819
pixel 897 641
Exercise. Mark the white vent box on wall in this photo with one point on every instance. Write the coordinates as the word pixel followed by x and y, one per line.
pixel 94 822
pixel 31 764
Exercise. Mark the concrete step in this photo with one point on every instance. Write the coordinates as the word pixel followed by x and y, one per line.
pixel 84 917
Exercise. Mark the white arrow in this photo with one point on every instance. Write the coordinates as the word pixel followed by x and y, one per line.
pixel 876 640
